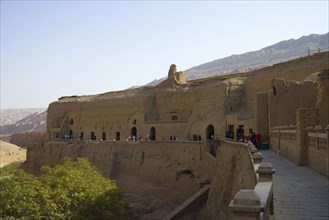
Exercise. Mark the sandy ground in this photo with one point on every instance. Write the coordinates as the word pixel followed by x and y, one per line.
pixel 10 153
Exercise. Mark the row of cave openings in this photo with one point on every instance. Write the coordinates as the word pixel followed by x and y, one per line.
pixel 210 131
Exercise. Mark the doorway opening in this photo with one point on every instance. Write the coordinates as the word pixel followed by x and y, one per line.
pixel 117 136
pixel 133 132
pixel 210 132
pixel 152 134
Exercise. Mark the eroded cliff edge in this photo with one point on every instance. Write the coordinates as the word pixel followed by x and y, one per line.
pixel 158 176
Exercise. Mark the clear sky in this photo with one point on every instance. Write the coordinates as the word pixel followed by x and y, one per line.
pixel 51 49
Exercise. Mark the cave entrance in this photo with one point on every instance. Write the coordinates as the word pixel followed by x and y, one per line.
pixel 117 136
pixel 71 134
pixel 133 132
pixel 230 132
pixel 92 135
pixel 152 134
pixel 104 136
pixel 210 132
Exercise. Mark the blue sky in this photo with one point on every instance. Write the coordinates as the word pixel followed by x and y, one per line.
pixel 51 49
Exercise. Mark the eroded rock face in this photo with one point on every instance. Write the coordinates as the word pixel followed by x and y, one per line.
pixel 178 109
pixel 28 139
pixel 234 171
pixel 288 97
pixel 155 176
pixel 158 176
pixel 149 113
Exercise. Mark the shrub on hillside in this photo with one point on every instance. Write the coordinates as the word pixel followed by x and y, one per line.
pixel 70 190
pixel 10 169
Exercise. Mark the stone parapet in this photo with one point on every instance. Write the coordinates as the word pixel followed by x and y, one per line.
pixel 246 205
pixel 318 145
pixel 257 203
pixel 265 172
pixel 304 117
pixel 257 157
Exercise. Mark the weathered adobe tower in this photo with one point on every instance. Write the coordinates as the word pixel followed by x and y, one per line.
pixel 322 103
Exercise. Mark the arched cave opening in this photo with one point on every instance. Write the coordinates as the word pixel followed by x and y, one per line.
pixel 133 132
pixel 210 132
pixel 152 134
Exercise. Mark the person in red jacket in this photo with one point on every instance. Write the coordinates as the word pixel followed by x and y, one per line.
pixel 258 141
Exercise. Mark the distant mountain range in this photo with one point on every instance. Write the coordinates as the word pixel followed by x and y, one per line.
pixel 277 53
pixel 11 116
pixel 34 120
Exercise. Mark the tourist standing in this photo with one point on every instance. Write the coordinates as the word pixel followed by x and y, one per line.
pixel 258 141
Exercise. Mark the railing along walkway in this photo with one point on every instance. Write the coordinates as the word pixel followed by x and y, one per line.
pixel 299 192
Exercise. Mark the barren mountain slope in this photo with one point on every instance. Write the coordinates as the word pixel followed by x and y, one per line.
pixel 33 122
pixel 11 116
pixel 268 56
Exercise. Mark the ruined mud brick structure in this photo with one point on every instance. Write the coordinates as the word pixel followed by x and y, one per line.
pixel 299 124
pixel 180 130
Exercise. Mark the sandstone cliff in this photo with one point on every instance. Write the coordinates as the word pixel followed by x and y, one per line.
pixel 234 171
pixel 27 139
pixel 159 175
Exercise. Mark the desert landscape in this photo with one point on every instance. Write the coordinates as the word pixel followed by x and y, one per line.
pixel 179 148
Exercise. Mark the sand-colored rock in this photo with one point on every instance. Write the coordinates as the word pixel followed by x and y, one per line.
pixel 197 113
pixel 10 153
pixel 184 110
pixel 158 172
pixel 27 139
pixel 234 171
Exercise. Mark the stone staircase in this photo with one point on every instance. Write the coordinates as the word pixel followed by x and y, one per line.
pixel 195 201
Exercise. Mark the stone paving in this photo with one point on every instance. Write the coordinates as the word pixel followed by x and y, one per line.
pixel 299 192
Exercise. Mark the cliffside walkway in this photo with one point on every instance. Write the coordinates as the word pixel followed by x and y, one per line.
pixel 299 192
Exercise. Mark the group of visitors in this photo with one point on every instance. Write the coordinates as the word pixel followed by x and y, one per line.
pixel 197 137
pixel 134 138
pixel 173 138
pixel 255 138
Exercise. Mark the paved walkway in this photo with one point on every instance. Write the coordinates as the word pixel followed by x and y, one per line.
pixel 299 192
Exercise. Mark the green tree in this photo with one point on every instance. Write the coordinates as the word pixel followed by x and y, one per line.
pixel 70 190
